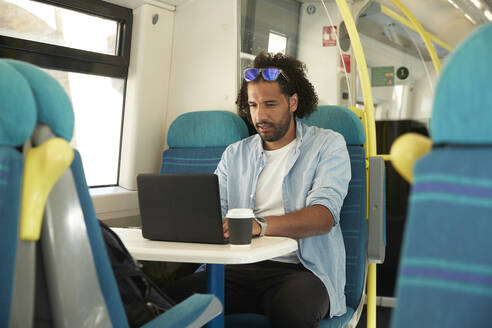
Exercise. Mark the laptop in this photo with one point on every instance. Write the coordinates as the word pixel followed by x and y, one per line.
pixel 180 207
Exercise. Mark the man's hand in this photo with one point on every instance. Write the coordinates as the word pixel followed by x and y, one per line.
pixel 255 231
pixel 225 227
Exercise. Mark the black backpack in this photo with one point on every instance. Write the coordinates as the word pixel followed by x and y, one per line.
pixel 142 298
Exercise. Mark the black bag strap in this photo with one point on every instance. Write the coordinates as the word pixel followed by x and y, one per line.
pixel 133 271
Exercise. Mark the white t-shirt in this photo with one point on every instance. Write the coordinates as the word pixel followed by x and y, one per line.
pixel 269 189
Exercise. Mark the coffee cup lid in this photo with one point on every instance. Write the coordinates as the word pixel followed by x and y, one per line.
pixel 240 213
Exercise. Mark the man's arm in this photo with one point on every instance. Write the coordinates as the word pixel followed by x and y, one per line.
pixel 323 202
pixel 306 222
pixel 221 172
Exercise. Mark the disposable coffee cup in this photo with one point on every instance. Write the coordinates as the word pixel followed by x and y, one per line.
pixel 240 226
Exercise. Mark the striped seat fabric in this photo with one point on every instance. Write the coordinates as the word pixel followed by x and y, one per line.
pixel 11 166
pixel 16 125
pixel 197 140
pixel 353 212
pixel 353 223
pixel 445 274
pixel 445 277
pixel 191 160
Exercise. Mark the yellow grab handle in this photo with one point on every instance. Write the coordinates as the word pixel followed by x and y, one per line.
pixel 42 168
pixel 406 150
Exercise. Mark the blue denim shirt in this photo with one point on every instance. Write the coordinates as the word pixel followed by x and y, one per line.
pixel 317 173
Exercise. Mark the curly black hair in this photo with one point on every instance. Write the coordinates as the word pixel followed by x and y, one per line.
pixel 296 83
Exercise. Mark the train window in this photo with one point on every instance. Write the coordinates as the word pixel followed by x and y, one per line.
pixel 306 30
pixel 260 30
pixel 277 43
pixel 86 47
pixel 97 122
pixel 36 21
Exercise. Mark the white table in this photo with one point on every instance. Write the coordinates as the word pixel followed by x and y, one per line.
pixel 261 249
pixel 216 256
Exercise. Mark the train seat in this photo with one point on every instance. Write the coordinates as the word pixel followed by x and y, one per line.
pixel 352 220
pixel 445 274
pixel 17 121
pixel 197 140
pixel 58 261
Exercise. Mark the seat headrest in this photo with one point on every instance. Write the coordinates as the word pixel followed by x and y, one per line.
pixel 463 101
pixel 341 120
pixel 29 95
pixel 206 129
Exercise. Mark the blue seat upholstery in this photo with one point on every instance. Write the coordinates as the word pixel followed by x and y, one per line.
pixel 11 166
pixel 17 121
pixel 445 274
pixel 352 216
pixel 29 94
pixel 197 140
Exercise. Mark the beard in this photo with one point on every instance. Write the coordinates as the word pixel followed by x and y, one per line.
pixel 278 130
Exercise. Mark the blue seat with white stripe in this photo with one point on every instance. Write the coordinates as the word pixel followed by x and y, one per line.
pixel 353 212
pixel 197 140
pixel 445 274
pixel 17 121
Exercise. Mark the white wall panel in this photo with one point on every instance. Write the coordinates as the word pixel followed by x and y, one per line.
pixel 205 58
pixel 146 95
pixel 322 62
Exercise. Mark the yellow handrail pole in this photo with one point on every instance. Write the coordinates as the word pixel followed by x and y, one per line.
pixel 390 13
pixel 422 33
pixel 371 136
pixel 363 74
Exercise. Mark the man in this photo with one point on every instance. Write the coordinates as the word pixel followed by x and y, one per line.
pixel 295 178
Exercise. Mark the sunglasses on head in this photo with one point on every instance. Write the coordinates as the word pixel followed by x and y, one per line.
pixel 269 74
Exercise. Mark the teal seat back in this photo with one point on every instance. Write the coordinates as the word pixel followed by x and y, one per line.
pixel 445 274
pixel 353 212
pixel 70 280
pixel 11 167
pixel 29 96
pixel 197 140
pixel 17 121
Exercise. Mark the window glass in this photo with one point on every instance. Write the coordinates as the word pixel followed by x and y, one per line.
pixel 299 29
pixel 88 55
pixel 277 43
pixel 98 107
pixel 262 31
pixel 36 21
pixel 259 28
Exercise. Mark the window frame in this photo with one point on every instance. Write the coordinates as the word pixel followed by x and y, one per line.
pixel 75 60
pixel 63 58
